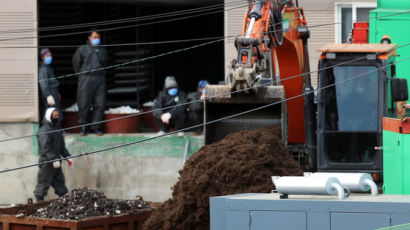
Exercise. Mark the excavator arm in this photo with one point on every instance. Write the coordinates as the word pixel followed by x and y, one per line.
pixel 271 49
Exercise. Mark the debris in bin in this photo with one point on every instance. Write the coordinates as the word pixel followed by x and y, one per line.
pixel 122 110
pixel 83 203
pixel 148 104
pixel 73 108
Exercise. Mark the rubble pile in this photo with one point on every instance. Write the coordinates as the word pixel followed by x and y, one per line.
pixel 83 203
pixel 242 162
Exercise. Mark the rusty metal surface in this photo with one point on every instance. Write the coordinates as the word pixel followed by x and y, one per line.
pixel 26 209
pixel 222 91
pixel 367 48
pixel 130 221
pixel 261 95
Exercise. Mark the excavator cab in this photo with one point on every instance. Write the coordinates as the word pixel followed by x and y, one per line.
pixel 357 89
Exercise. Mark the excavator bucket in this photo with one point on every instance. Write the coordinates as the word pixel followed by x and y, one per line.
pixel 222 108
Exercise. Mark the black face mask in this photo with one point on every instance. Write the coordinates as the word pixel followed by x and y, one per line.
pixel 54 120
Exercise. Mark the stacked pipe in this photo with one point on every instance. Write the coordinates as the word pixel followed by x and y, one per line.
pixel 325 184
pixel 288 185
pixel 356 182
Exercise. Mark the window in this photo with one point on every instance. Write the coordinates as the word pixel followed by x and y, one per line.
pixel 348 13
pixel 352 104
pixel 351 114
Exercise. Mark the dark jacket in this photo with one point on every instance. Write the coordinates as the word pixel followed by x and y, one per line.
pixel 88 57
pixel 164 100
pixel 47 80
pixel 196 105
pixel 51 145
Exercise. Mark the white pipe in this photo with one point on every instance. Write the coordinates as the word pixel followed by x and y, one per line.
pixel 250 27
pixel 356 182
pixel 373 186
pixel 340 191
pixel 309 186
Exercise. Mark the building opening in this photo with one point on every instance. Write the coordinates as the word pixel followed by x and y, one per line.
pixel 136 83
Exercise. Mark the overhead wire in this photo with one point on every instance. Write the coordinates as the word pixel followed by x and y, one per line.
pixel 116 65
pixel 187 17
pixel 120 64
pixel 119 44
pixel 123 27
pixel 68 128
pixel 125 20
pixel 199 125
pixel 138 60
pixel 194 101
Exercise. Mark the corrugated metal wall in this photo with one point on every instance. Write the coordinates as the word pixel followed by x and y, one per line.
pixel 233 27
pixel 18 67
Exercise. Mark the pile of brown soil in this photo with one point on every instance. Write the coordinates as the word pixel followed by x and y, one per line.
pixel 242 162
pixel 83 203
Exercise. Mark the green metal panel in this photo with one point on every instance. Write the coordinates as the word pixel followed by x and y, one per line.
pixel 382 23
pixel 397 227
pixel 396 163
pixel 35 142
pixel 406 163
pixel 393 4
pixel 169 146
pixel 392 163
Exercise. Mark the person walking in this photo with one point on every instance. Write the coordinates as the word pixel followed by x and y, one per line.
pixel 51 146
pixel 91 88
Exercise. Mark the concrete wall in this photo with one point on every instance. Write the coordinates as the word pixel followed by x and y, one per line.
pixel 148 169
pixel 16 186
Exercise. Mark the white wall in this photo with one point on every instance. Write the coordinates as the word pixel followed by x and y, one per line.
pixel 18 66
pixel 319 12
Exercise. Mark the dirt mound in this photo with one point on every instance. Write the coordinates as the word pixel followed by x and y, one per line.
pixel 82 203
pixel 242 162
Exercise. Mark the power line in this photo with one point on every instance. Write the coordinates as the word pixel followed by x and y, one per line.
pixel 127 63
pixel 10 139
pixel 125 20
pixel 120 64
pixel 196 126
pixel 120 44
pixel 123 27
pixel 176 19
pixel 187 103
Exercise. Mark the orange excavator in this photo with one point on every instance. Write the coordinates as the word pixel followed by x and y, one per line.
pixel 272 65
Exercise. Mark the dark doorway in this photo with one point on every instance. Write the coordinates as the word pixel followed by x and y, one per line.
pixel 139 82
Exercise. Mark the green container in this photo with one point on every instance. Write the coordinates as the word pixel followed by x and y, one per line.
pixel 397 27
pixel 393 4
pixel 396 227
pixel 396 163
